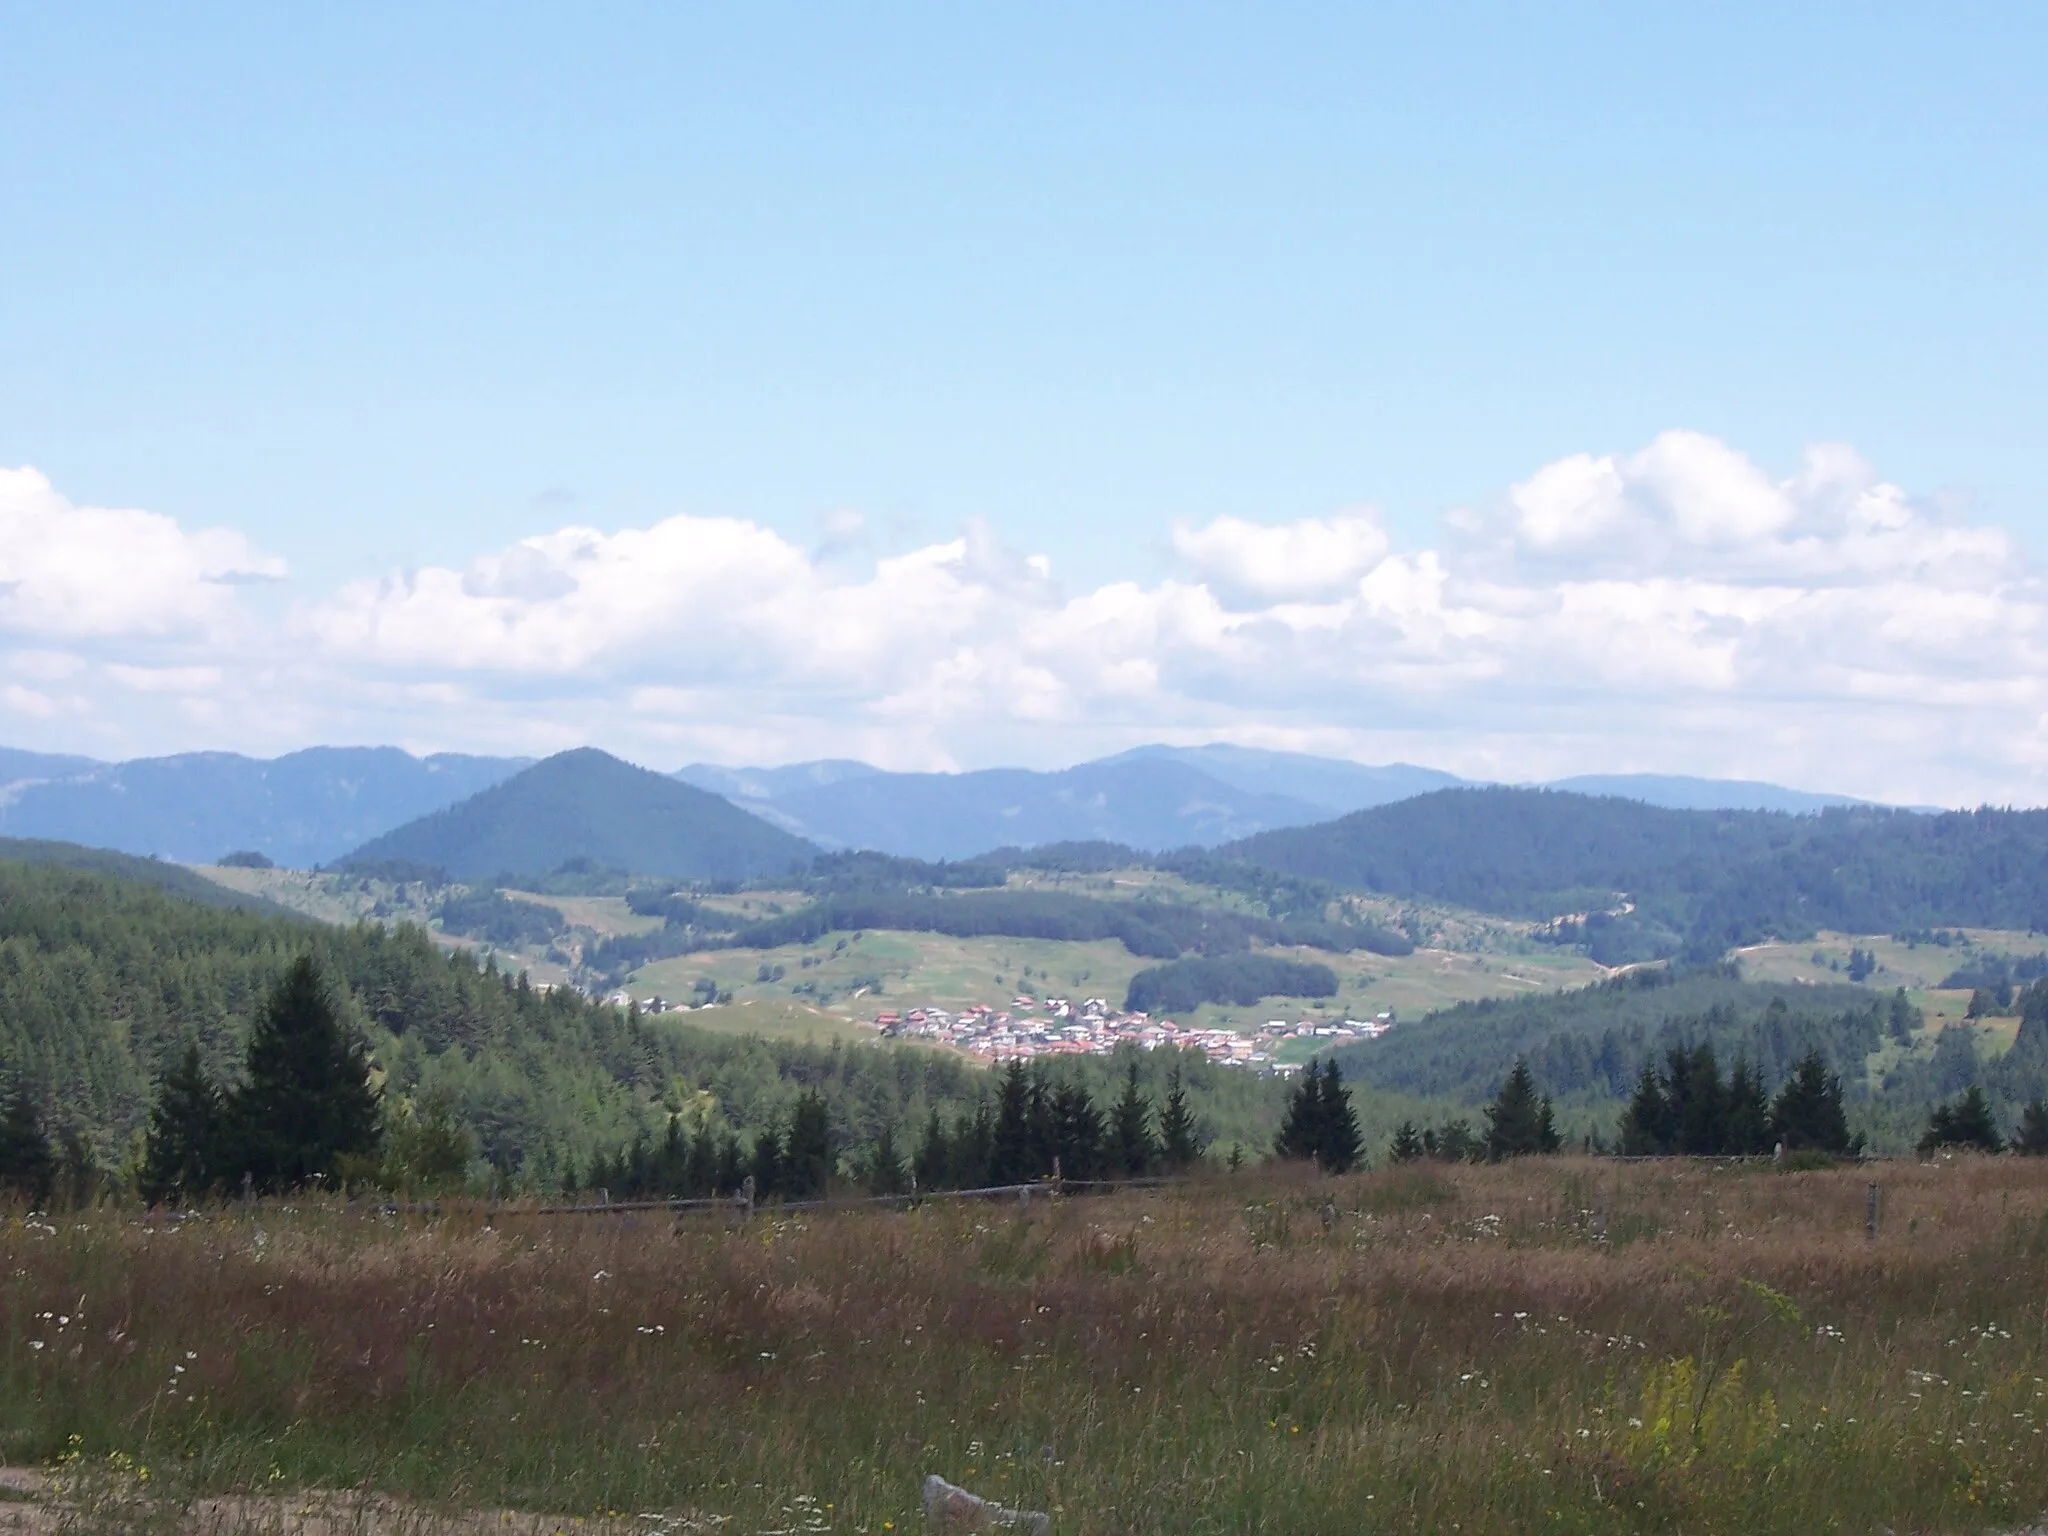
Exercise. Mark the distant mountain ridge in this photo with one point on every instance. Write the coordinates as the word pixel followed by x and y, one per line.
pixel 589 804
pixel 299 810
pixel 1150 804
pixel 1682 792
pixel 313 806
pixel 1151 798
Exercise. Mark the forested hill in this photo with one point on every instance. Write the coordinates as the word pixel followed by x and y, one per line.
pixel 587 804
pixel 1589 1047
pixel 102 980
pixel 1697 881
pixel 174 878
pixel 1593 1041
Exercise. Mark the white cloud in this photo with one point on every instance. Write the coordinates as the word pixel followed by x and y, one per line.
pixel 69 572
pixel 1247 564
pixel 1674 608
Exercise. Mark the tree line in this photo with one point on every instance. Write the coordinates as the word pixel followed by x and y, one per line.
pixel 1688 1107
pixel 1034 1126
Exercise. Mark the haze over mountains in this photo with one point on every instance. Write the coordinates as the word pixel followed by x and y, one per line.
pixel 300 809
pixel 315 806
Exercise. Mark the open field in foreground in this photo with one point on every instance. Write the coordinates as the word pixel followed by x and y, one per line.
pixel 1558 1345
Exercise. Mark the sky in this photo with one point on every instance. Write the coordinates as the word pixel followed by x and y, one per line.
pixel 1519 390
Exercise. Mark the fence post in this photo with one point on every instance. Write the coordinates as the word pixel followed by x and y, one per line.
pixel 1871 1211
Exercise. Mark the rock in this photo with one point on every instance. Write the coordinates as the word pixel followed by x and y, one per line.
pixel 951 1511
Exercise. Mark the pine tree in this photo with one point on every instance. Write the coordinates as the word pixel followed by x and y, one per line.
pixel 1407 1145
pixel 1180 1146
pixel 1300 1137
pixel 1647 1124
pixel 182 1157
pixel 426 1150
pixel 1966 1123
pixel 700 1177
pixel 732 1165
pixel 1339 1140
pixel 28 1166
pixel 1013 1156
pixel 766 1165
pixel 1902 1017
pixel 973 1148
pixel 306 1101
pixel 2032 1140
pixel 674 1177
pixel 1807 1114
pixel 1042 1135
pixel 1747 1126
pixel 1132 1150
pixel 1700 1100
pixel 1076 1133
pixel 886 1175
pixel 1519 1122
pixel 932 1165
pixel 808 1165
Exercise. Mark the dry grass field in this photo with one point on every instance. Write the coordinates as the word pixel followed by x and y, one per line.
pixel 1556 1345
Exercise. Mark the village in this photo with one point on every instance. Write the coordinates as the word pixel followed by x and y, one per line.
pixel 1058 1026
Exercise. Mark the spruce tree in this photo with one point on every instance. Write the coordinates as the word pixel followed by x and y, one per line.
pixel 1300 1137
pixel 28 1166
pixel 306 1101
pixel 1012 1157
pixel 2032 1140
pixel 808 1163
pixel 972 1150
pixel 1701 1101
pixel 886 1175
pixel 701 1174
pixel 1339 1141
pixel 766 1165
pixel 1748 1116
pixel 1132 1150
pixel 1076 1133
pixel 1408 1146
pixel 182 1157
pixel 1647 1124
pixel 1807 1114
pixel 931 1166
pixel 732 1165
pixel 1519 1121
pixel 1902 1017
pixel 1180 1146
pixel 1967 1123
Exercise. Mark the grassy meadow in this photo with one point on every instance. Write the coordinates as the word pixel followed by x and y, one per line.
pixel 1553 1345
pixel 923 969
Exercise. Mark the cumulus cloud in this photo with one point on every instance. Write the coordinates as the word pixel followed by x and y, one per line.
pixel 1250 564
pixel 70 572
pixel 1674 608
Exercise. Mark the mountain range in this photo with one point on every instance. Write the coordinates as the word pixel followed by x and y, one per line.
pixel 315 806
pixel 299 810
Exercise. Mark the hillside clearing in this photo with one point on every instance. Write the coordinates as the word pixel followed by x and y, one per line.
pixel 917 970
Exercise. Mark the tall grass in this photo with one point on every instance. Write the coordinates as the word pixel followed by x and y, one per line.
pixel 1557 1345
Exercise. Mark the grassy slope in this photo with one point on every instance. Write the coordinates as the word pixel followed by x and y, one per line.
pixel 921 969
pixel 1548 1346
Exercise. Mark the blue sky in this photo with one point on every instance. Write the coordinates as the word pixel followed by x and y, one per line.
pixel 392 288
